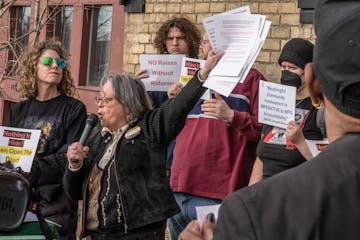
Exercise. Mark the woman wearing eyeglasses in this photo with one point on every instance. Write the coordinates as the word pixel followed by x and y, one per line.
pixel 121 175
pixel 47 89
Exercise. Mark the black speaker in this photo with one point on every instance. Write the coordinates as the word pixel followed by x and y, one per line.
pixel 14 198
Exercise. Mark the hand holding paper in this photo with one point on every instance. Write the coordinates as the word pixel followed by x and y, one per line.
pixel 210 63
pixel 218 108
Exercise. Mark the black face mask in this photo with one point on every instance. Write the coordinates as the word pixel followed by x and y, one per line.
pixel 290 79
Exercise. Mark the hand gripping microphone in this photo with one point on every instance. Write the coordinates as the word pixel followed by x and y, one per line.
pixel 91 121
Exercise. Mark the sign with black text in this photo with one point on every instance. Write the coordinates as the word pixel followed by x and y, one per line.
pixel 276 104
pixel 18 146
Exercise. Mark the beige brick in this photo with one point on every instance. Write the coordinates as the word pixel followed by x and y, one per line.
pixel 254 7
pixel 149 18
pixel 268 7
pixel 149 8
pixel 274 18
pixel 137 48
pixel 291 19
pixel 161 18
pixel 274 56
pixel 187 8
pixel 272 44
pixel 140 28
pixel 131 37
pixel 290 7
pixel 133 59
pixel 129 68
pixel 154 27
pixel 217 7
pixel 159 8
pixel 301 31
pixel 202 8
pixel 150 49
pixel 136 18
pixel 144 38
pixel 264 56
pixel 200 17
pixel 280 31
pixel 190 17
pixel 173 8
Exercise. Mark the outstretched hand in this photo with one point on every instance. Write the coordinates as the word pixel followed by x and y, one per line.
pixel 210 63
pixel 174 90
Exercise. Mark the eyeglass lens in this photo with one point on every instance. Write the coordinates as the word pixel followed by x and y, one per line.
pixel 48 61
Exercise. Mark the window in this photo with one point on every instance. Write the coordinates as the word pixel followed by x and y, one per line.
pixel 307 10
pixel 19 35
pixel 98 25
pixel 60 25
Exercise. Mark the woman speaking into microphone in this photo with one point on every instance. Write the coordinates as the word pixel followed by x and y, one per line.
pixel 121 173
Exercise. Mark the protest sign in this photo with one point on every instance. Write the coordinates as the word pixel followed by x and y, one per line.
pixel 189 66
pixel 163 70
pixel 18 146
pixel 276 104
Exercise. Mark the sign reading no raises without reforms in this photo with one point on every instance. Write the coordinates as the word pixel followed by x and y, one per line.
pixel 163 70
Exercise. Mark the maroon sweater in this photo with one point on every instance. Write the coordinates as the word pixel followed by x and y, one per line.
pixel 213 158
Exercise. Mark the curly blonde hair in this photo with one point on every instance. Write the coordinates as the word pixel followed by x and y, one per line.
pixel 190 31
pixel 27 71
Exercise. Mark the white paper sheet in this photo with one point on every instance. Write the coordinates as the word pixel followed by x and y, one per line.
pixel 202 211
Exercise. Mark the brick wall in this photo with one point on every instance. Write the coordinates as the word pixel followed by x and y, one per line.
pixel 140 28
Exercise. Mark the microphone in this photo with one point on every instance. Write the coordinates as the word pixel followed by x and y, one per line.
pixel 91 121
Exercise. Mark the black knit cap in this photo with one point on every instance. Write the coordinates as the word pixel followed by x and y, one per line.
pixel 337 53
pixel 297 51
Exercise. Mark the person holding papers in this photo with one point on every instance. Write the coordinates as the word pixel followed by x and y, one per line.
pixel 47 86
pixel 215 151
pixel 281 149
pixel 121 176
pixel 319 199
pixel 176 36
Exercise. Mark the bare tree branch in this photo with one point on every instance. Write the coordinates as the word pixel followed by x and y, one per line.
pixel 5 7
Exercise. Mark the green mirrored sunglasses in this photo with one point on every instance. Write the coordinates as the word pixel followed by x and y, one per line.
pixel 48 61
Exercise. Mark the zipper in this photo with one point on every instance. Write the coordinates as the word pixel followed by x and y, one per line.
pixel 121 198
pixel 85 186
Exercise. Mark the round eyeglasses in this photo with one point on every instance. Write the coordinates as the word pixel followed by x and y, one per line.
pixel 48 61
pixel 102 101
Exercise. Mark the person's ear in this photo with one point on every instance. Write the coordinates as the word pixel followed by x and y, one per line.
pixel 313 85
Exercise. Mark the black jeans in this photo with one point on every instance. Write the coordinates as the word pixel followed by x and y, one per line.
pixel 154 231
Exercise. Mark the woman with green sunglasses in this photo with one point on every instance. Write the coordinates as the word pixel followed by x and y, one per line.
pixel 47 89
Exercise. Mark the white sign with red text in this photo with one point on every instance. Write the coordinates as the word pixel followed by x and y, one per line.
pixel 189 67
pixel 163 70
pixel 18 146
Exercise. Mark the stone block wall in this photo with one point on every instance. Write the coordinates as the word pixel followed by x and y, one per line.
pixel 140 28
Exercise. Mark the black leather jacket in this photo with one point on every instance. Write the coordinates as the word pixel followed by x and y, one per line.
pixel 141 162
